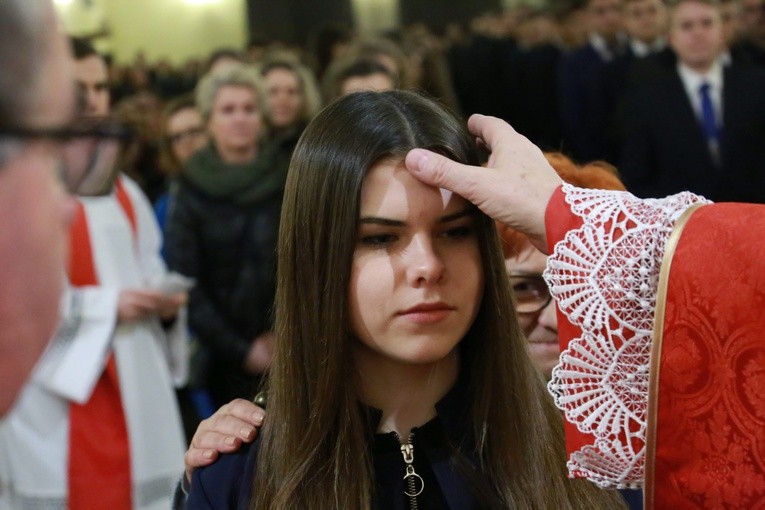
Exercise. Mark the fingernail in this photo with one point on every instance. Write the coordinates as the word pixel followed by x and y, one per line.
pixel 418 158
pixel 257 417
pixel 207 454
pixel 230 440
pixel 245 433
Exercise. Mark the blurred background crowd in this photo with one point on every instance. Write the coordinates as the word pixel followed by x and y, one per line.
pixel 562 74
pixel 652 96
pixel 594 80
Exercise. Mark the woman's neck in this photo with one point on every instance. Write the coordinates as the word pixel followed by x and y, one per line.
pixel 406 393
pixel 235 155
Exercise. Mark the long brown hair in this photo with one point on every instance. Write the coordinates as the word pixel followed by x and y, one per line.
pixel 315 444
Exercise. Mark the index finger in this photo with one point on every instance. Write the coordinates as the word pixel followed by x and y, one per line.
pixel 442 172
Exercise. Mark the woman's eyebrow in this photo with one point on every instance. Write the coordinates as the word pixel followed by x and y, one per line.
pixel 389 222
pixel 376 220
pixel 467 211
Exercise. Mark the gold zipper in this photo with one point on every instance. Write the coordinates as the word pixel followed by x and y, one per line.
pixel 414 482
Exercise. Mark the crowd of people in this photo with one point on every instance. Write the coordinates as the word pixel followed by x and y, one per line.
pixel 613 80
pixel 250 223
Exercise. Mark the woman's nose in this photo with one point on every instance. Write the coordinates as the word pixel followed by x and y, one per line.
pixel 423 264
pixel 548 317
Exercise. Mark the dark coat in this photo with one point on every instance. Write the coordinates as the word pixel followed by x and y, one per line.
pixel 746 52
pixel 532 95
pixel 664 150
pixel 620 76
pixel 476 75
pixel 231 250
pixel 227 483
pixel 579 98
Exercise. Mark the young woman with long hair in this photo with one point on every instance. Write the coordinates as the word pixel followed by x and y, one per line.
pixel 400 376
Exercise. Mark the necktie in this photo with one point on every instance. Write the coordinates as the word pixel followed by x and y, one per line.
pixel 708 122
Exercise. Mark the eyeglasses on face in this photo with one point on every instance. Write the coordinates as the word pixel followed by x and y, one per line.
pixel 83 128
pixel 530 292
pixel 186 134
pixel 89 149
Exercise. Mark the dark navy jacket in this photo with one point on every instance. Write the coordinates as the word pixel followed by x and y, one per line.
pixel 227 483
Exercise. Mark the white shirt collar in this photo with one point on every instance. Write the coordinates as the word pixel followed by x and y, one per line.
pixel 641 49
pixel 693 79
pixel 601 47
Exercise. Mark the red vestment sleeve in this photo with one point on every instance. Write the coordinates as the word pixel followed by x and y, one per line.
pixel 606 250
pixel 559 220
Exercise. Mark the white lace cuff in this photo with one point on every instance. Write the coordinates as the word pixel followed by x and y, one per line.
pixel 604 278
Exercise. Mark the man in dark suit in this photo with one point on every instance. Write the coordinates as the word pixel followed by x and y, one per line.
pixel 530 81
pixel 580 76
pixel 701 125
pixel 645 22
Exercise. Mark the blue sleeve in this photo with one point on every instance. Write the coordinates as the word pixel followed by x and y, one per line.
pixel 220 485
pixel 633 498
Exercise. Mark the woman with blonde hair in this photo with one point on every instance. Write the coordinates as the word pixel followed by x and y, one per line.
pixel 222 231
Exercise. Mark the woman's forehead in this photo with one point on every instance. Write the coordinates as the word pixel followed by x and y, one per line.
pixel 389 187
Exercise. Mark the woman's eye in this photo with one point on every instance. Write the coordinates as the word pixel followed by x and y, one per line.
pixel 528 288
pixel 523 288
pixel 459 232
pixel 378 240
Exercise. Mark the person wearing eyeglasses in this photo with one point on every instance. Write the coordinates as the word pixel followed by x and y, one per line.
pixel 184 130
pixel 98 424
pixel 36 96
pixel 525 265
pixel 183 133
pixel 537 314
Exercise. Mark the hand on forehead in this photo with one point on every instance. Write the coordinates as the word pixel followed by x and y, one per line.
pixel 388 187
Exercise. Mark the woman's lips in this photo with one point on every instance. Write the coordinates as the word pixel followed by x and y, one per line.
pixel 427 313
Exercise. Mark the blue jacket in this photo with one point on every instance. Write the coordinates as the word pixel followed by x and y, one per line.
pixel 227 483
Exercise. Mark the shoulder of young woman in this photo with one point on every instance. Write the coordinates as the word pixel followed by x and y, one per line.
pixel 226 483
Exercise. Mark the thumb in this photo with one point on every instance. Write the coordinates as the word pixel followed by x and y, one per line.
pixel 440 171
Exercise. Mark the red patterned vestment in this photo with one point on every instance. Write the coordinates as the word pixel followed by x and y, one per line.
pixel 622 267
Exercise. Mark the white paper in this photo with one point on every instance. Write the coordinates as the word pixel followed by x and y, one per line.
pixel 172 283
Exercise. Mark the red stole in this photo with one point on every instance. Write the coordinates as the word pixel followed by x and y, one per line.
pixel 706 413
pixel 99 452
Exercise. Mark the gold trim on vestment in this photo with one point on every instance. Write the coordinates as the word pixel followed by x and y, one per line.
pixel 658 335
